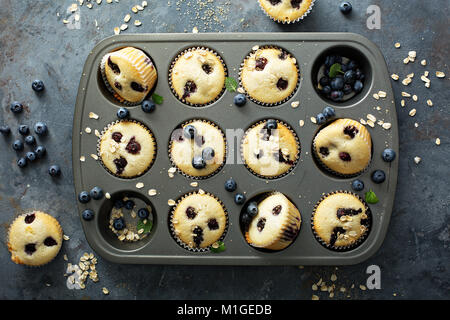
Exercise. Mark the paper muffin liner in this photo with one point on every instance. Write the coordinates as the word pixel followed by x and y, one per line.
pixel 21 215
pixel 265 104
pixel 215 171
pixel 358 241
pixel 172 228
pixel 100 139
pixel 297 157
pixel 293 224
pixel 180 54
pixel 331 171
pixel 111 89
pixel 288 21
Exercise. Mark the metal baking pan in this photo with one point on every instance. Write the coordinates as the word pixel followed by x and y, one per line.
pixel 304 185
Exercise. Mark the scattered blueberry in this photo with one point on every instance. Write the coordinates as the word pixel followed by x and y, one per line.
pixel 252 209
pixel 40 128
pixel 31 156
pixel 230 185
pixel 5 130
pixel 148 106
pixel 96 193
pixel 345 7
pixel 87 214
pixel 246 219
pixel 189 131
pixel 324 81
pixel 358 86
pixel 16 107
pixel 378 176
pixel 208 153
pixel 240 100
pixel 320 118
pixel 349 76
pixel 388 155
pixel 357 185
pixel 30 140
pixel 40 151
pixel 24 130
pixel 119 223
pixel 84 197
pixel 198 162
pixel 119 204
pixel 328 112
pixel 38 85
pixel 123 113
pixel 22 162
pixel 129 204
pixel 143 213
pixel 17 145
pixel 54 170
pixel 337 83
pixel 239 198
pixel 271 124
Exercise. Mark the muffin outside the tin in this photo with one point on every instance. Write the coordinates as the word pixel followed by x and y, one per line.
pixel 34 238
pixel 341 221
pixel 275 225
pixel 198 220
pixel 286 11
pixel 197 148
pixel 127 148
pixel 129 74
pixel 197 76
pixel 269 75
pixel 343 147
pixel 270 148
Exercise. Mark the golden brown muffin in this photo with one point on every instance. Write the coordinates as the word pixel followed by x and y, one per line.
pixel 286 11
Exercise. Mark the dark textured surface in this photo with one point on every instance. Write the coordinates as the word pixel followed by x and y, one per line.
pixel 34 43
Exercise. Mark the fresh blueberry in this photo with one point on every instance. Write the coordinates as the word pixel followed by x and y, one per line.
pixel 22 162
pixel 96 193
pixel 38 85
pixel 357 185
pixel 358 86
pixel 359 75
pixel 388 155
pixel 271 124
pixel 40 128
pixel 24 129
pixel 87 214
pixel 328 112
pixel 246 219
pixel 54 170
pixel 349 76
pixel 5 130
pixel 30 140
pixel 123 113
pixel 338 59
pixel 40 151
pixel 337 95
pixel 347 88
pixel 17 145
pixel 31 156
pixel 240 100
pixel 345 7
pixel 252 209
pixel 344 67
pixel 337 83
pixel 230 185
pixel 129 204
pixel 119 223
pixel 324 81
pixel 189 131
pixel 119 204
pixel 143 213
pixel 326 90
pixel 84 197
pixel 378 176
pixel 198 162
pixel 16 107
pixel 329 61
pixel 239 198
pixel 208 153
pixel 352 65
pixel 320 118
pixel 148 106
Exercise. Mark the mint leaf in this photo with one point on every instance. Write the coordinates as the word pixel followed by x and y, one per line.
pixel 334 70
pixel 231 84
pixel 157 98
pixel 218 247
pixel 146 226
pixel 371 197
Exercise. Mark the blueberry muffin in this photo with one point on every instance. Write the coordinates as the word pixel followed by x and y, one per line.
pixel 269 75
pixel 343 147
pixel 34 238
pixel 341 221
pixel 286 11
pixel 197 148
pixel 198 220
pixel 275 225
pixel 127 148
pixel 129 74
pixel 197 76
pixel 270 148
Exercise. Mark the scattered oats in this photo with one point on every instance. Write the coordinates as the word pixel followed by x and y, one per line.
pixel 395 76
pixel 201 191
pixel 99 2
pixel 427 84
pixel 411 75
pixel 301 123
pixel 94 156
pixel 382 94
pixel 362 287
pixel 342 289
pixel 314 297
pixel 82 158
pixel 406 94
pixel 73 7
pixel 440 74
pixel 89 5
pixel 424 79
pixel 362 121
pixel 66 237
pixel 93 115
pixel 97 133
pixel 152 192
pixel 127 18
pixel 144 3
pixel 171 202
pixel 333 277
pixel 254 48
pixel 171 175
pixel 65 21
pixel 417 159
pixel 77 17
pixel 108 1
pixel 426 73
pixel 116 30
pixel 194 184
pixel 314 287
pixel 134 9
pixel 107 195
pixel 195 30
pixel 429 103
pixel 415 98
pixel 124 27
pixel 371 117
pixel 416 125
pixel 105 291
pixel 402 102
pixel 423 62
pixel 137 23
pixel 172 170
pixel 371 123
pixel 313 120
pixel 331 294
pixel 81 2
pixel 88 130
pixel 406 60
pixel 412 113
pixel 438 141
pixel 140 8
pixel 376 96
pixel 295 104
pixel 397 45
pixel 406 81
pixel 240 90
pixel 139 185
pixel 386 125
pixel 65 257
pixel 323 287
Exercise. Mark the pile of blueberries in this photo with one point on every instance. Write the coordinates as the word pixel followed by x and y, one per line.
pixel 119 223
pixel 96 193
pixel 147 106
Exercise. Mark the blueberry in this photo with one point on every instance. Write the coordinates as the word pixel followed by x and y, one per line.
pixel 189 131
pixel 40 128
pixel 54 170
pixel 337 95
pixel 349 76
pixel 329 61
pixel 326 90
pixel 38 85
pixel 84 197
pixel 358 86
pixel 96 193
pixel 129 204
pixel 345 7
pixel 208 153
pixel 344 67
pixel 143 213
pixel 30 140
pixel 148 106
pixel 22 162
pixel 239 198
pixel 378 176
pixel 337 83
pixel 359 75
pixel 271 124
pixel 119 223
pixel 40 151
pixel 328 112
pixel 31 156
pixel 347 88
pixel 320 118
pixel 352 65
pixel 198 162
pixel 17 145
pixel 252 209
pixel 16 107
pixel 87 214
pixel 324 81
pixel 240 100
pixel 357 185
pixel 230 185
pixel 246 219
pixel 338 59
pixel 24 130
pixel 388 155
pixel 123 113
pixel 5 130
pixel 119 204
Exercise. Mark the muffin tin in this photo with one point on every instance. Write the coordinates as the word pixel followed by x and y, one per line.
pixel 304 185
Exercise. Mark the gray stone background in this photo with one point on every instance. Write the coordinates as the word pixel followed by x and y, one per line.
pixel 35 43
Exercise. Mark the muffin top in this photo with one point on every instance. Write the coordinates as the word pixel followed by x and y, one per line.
pixel 285 10
pixel 276 224
pixel 199 220
pixel 198 76
pixel 340 219
pixel 197 148
pixel 344 146
pixel 130 73
pixel 269 75
pixel 34 238
pixel 127 148
pixel 270 152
